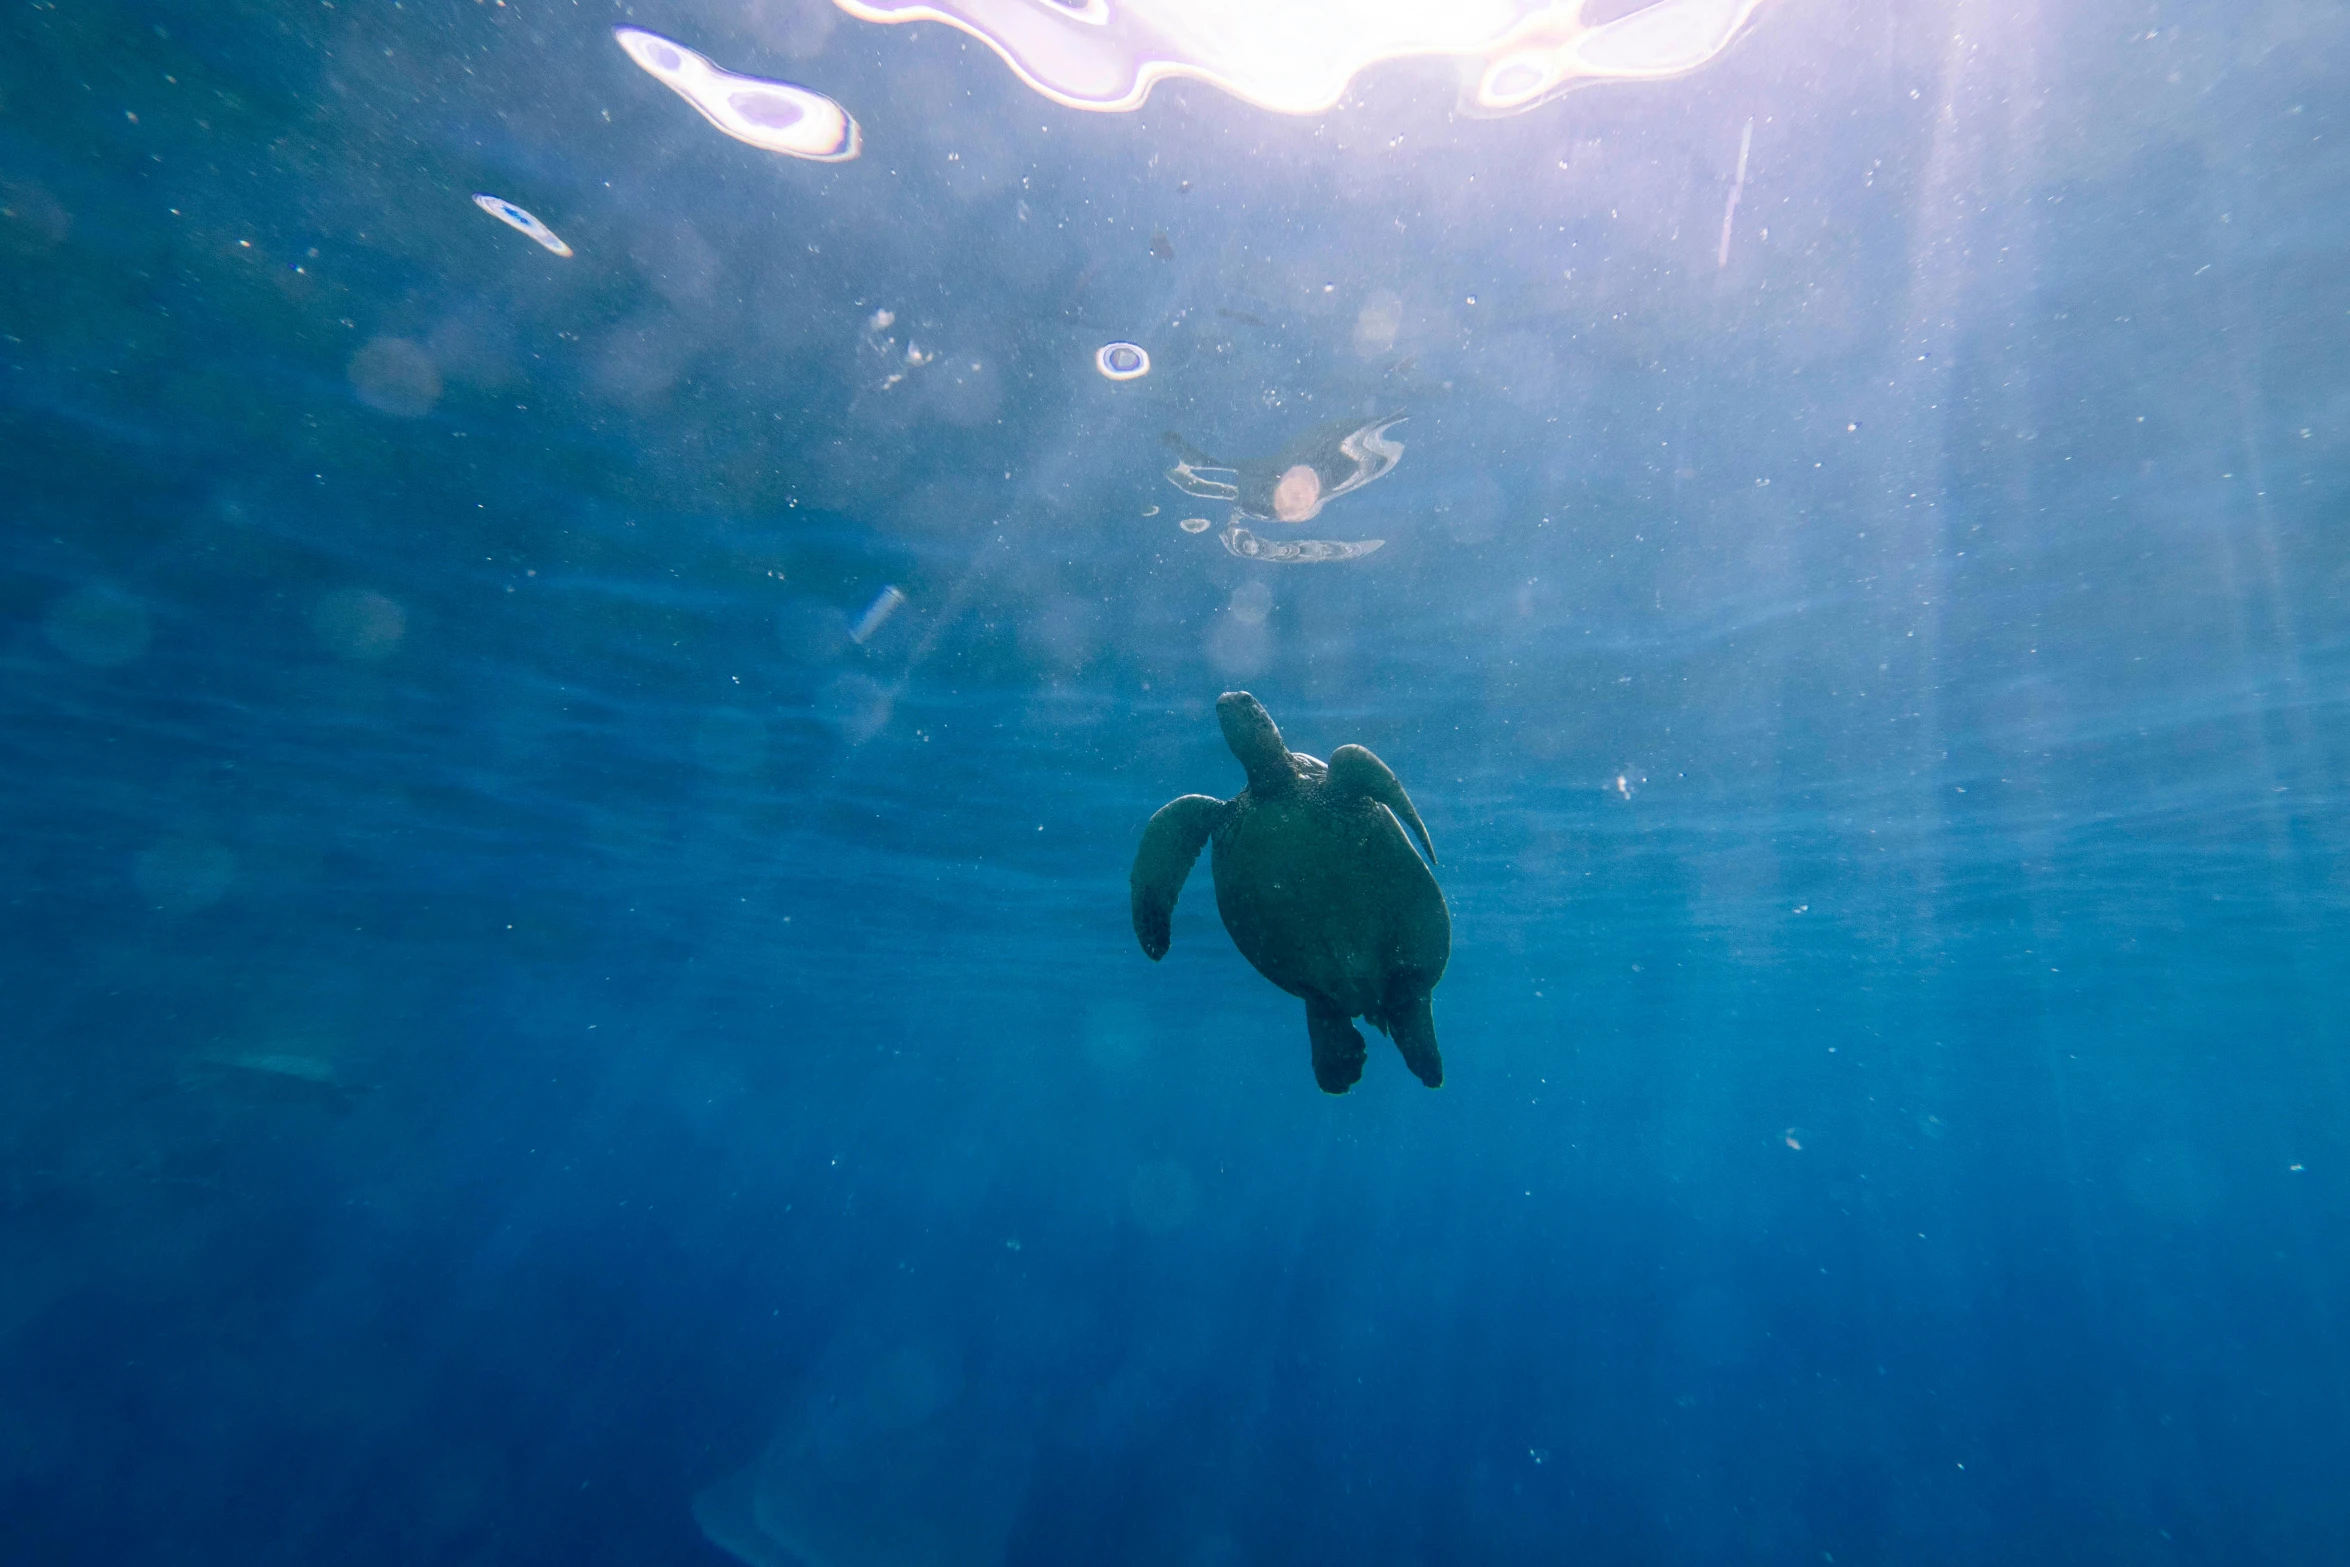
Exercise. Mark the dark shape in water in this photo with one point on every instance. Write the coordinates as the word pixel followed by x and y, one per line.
pixel 1241 315
pixel 1161 246
pixel 1318 886
pixel 1302 478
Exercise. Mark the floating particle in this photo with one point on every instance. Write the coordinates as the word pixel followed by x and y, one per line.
pixel 1298 57
pixel 1295 483
pixel 515 218
pixel 885 604
pixel 776 116
pixel 1300 552
pixel 1122 361
pixel 1195 525
pixel 1793 1138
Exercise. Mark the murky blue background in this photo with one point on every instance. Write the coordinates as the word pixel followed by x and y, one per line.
pixel 511 1021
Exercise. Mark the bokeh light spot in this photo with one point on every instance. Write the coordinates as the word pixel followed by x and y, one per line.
pixel 395 376
pixel 360 624
pixel 98 626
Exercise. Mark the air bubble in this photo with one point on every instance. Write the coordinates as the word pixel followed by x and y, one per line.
pixel 1122 361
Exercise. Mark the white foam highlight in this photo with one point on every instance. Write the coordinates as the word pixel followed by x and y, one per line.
pixel 775 116
pixel 516 218
pixel 1298 56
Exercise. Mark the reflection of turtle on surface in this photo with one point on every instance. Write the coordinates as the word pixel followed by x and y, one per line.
pixel 1318 886
pixel 1296 483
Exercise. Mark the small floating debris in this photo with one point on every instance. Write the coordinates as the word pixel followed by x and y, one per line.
pixel 885 604
pixel 1122 361
pixel 1301 552
pixel 515 218
pixel 1161 246
pixel 1195 525
pixel 775 116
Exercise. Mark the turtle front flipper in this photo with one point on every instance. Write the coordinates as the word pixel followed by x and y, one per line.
pixel 1338 1048
pixel 1355 774
pixel 1170 844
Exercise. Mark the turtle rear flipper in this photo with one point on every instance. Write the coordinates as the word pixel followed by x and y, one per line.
pixel 1170 844
pixel 1338 1048
pixel 1412 1023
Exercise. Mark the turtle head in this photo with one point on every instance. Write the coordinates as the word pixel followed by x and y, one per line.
pixel 1251 733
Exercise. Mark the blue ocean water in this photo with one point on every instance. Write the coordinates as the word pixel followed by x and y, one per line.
pixel 527 1040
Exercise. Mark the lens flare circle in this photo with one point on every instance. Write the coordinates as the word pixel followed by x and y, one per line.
pixel 1122 361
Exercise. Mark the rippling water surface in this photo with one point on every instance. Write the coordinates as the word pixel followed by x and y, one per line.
pixel 566 990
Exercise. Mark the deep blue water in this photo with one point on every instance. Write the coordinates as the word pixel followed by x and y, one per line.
pixel 511 1020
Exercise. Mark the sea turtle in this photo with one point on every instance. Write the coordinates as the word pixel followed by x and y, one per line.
pixel 1319 887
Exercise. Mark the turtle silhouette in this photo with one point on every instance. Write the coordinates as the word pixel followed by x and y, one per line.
pixel 1319 887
